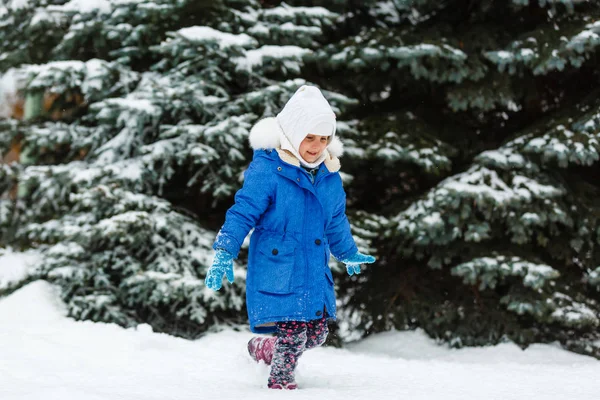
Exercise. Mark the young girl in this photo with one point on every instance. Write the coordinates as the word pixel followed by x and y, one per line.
pixel 293 198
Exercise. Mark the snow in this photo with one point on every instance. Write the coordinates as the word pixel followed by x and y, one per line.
pixel 19 4
pixel 255 57
pixel 96 70
pixel 537 189
pixel 8 92
pixel 426 50
pixel 487 270
pixel 417 346
pixel 259 30
pixel 207 34
pixel 85 6
pixel 289 12
pixel 370 52
pixel 503 54
pixel 57 76
pixel 15 267
pixel 42 15
pixel 132 103
pixel 48 356
pixel 89 6
pixel 389 11
pixel 576 314
pixel 434 219
pixel 504 158
pixel 292 28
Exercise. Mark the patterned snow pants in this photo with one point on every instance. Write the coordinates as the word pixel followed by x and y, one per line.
pixel 293 337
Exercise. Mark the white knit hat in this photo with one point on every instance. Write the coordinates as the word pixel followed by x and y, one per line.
pixel 307 111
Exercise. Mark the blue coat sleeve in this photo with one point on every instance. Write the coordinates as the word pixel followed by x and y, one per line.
pixel 341 242
pixel 251 201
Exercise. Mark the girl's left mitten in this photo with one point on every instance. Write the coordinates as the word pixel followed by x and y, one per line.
pixel 222 266
pixel 353 262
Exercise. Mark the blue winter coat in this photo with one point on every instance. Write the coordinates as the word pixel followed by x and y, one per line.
pixel 297 224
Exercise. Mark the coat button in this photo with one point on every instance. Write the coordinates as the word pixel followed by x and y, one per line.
pixel 318 242
pixel 298 179
pixel 278 168
pixel 275 252
pixel 318 313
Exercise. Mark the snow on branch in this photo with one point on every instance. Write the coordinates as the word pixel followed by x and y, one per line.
pixel 533 54
pixel 487 272
pixel 205 34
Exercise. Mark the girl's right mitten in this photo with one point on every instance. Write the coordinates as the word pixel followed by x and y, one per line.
pixel 222 266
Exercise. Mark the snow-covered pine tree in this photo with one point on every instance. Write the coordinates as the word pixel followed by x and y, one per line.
pixel 470 162
pixel 476 151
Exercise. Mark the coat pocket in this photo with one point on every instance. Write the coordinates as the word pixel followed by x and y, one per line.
pixel 275 266
pixel 329 276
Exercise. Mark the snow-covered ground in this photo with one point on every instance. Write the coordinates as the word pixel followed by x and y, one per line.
pixel 45 356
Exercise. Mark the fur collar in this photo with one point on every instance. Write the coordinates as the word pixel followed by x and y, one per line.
pixel 265 135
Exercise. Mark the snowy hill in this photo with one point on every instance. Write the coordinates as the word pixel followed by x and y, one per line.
pixel 49 356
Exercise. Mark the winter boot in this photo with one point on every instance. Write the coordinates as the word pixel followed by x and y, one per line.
pixel 261 349
pixel 287 386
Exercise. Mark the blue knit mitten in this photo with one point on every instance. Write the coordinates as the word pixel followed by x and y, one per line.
pixel 353 262
pixel 222 265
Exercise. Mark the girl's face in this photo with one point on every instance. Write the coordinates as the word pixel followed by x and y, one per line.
pixel 312 146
